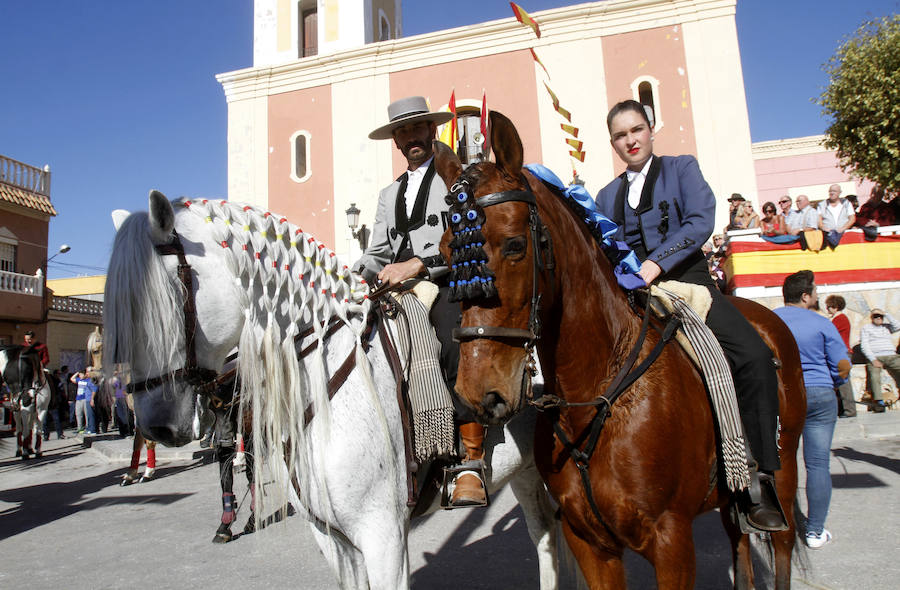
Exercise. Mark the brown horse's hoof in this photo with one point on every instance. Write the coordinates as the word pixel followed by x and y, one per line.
pixel 18 452
pixel 250 527
pixel 38 455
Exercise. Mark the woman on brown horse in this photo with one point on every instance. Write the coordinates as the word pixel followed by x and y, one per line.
pixel 541 277
pixel 665 211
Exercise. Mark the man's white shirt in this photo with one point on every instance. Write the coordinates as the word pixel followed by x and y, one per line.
pixel 413 183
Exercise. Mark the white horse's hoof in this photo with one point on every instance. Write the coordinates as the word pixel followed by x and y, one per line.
pixel 148 475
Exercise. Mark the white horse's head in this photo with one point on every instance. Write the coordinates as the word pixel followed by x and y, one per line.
pixel 144 312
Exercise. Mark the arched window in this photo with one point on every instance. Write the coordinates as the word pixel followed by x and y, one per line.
pixel 645 90
pixel 300 156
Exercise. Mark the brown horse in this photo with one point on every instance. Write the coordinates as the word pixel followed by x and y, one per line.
pixel 651 473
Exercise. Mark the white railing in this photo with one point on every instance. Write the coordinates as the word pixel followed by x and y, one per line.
pixel 76 305
pixel 13 282
pixel 27 177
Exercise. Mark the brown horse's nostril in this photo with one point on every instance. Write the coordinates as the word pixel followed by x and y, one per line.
pixel 495 407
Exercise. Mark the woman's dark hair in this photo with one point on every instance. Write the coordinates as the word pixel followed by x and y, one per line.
pixel 797 284
pixel 770 205
pixel 835 301
pixel 626 105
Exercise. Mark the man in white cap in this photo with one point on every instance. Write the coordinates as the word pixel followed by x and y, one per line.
pixel 876 343
pixel 409 222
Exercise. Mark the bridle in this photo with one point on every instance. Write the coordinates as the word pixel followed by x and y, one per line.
pixel 202 380
pixel 542 260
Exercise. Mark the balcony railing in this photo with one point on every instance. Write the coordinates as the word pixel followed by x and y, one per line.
pixel 76 305
pixel 13 282
pixel 24 176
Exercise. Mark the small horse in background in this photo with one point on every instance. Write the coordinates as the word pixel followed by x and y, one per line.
pixel 240 277
pixel 654 465
pixel 31 389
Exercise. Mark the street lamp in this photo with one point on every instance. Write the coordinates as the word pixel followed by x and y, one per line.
pixel 362 236
pixel 62 250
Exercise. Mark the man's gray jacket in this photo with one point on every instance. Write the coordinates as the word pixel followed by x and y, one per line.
pixel 396 238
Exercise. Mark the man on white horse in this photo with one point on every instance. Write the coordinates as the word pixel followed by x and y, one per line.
pixel 409 223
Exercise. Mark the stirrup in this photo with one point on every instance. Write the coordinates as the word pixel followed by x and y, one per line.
pixel 450 474
pixel 740 507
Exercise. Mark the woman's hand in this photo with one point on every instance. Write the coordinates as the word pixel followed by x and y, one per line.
pixel 649 271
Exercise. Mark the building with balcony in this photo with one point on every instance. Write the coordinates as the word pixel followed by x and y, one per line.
pixel 25 212
pixel 76 309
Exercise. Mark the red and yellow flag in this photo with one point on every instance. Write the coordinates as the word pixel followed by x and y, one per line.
pixel 539 62
pixel 575 144
pixel 578 155
pixel 525 18
pixel 450 133
pixel 486 146
pixel 571 130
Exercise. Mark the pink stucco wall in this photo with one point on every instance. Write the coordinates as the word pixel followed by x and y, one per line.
pixel 658 53
pixel 775 176
pixel 309 203
pixel 507 78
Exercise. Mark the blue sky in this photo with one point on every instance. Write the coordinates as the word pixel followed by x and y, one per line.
pixel 120 97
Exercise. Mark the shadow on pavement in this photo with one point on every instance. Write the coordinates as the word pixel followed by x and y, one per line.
pixel 877 460
pixel 41 504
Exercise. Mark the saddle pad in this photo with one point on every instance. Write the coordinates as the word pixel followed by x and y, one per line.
pixel 711 360
pixel 419 351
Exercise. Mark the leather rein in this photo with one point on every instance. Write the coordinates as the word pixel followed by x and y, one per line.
pixel 542 260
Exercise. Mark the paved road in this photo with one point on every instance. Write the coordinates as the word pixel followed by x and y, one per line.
pixel 65 523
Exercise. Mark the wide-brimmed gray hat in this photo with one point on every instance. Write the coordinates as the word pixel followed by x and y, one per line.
pixel 411 109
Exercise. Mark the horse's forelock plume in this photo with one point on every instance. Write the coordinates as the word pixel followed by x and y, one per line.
pixel 141 298
pixel 470 276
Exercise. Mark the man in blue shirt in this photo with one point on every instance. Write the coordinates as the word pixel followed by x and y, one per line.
pixel 825 365
pixel 83 410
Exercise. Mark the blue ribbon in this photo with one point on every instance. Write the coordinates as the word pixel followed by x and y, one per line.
pixel 625 262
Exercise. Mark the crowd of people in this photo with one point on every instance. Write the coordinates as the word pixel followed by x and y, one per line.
pixel 88 403
pixel 815 225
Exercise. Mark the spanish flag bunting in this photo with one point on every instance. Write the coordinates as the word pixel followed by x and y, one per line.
pixel 571 130
pixel 575 144
pixel 556 106
pixel 525 18
pixel 450 133
pixel 578 155
pixel 540 63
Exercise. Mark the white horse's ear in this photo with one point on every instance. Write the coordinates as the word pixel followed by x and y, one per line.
pixel 118 217
pixel 162 218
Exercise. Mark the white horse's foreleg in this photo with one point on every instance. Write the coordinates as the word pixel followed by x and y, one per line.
pixel 345 560
pixel 384 550
pixel 528 487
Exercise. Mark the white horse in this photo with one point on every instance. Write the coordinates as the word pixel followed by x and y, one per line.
pixel 258 281
pixel 29 385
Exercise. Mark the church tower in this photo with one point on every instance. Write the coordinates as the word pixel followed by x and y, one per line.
pixel 287 30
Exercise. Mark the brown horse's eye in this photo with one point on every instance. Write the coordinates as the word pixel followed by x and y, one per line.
pixel 514 248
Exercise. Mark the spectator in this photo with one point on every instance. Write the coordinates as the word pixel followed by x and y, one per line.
pixel 773 225
pixel 823 357
pixel 54 412
pixel 71 390
pixel 124 417
pixel 876 212
pixel 718 241
pixel 745 217
pixel 876 343
pixel 834 305
pixel 835 216
pixel 717 273
pixel 84 413
pixel 102 404
pixel 792 218
pixel 809 217
pixel 707 250
pixel 854 202
pixel 733 202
